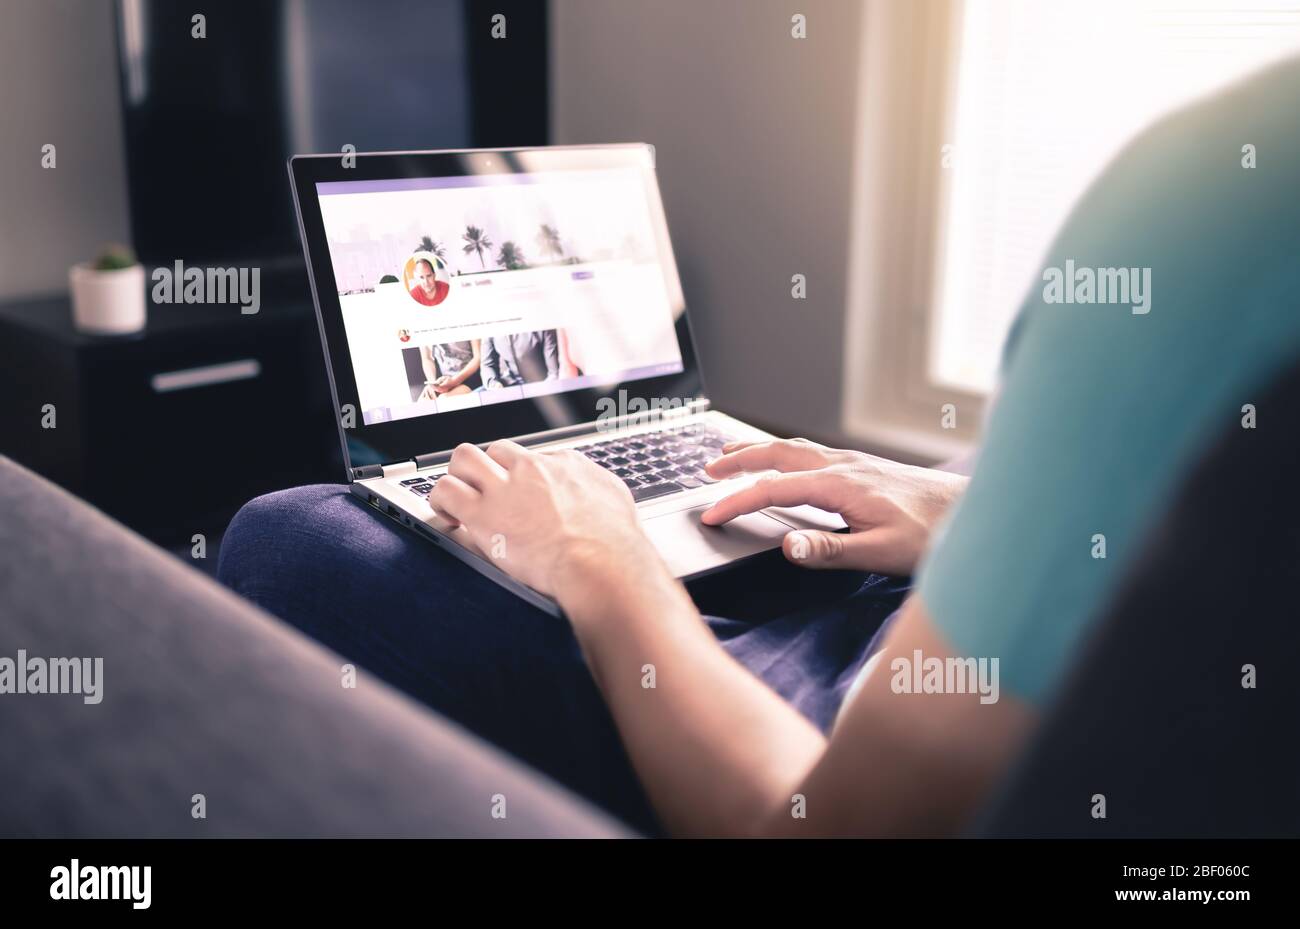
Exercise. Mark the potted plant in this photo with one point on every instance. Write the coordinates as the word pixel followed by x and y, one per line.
pixel 108 294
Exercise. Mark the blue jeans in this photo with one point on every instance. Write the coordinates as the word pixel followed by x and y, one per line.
pixel 428 625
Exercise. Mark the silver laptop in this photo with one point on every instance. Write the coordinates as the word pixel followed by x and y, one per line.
pixel 529 294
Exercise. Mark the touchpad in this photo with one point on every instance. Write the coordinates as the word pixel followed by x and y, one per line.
pixel 689 546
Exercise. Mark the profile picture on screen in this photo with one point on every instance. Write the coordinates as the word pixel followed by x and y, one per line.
pixel 427 279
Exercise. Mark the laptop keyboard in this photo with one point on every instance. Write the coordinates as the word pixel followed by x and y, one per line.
pixel 651 464
pixel 654 464
pixel 421 485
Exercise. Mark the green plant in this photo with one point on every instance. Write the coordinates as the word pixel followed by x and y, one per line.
pixel 388 279
pixel 114 258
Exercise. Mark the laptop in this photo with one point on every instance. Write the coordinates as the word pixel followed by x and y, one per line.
pixel 528 294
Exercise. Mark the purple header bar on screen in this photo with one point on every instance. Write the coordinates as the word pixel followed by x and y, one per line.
pixel 385 185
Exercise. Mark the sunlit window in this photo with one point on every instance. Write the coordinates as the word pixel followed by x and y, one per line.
pixel 1045 94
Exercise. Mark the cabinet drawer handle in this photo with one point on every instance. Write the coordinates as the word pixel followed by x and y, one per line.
pixel 206 375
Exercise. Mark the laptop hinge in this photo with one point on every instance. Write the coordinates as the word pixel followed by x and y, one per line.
pixel 396 469
pixel 613 423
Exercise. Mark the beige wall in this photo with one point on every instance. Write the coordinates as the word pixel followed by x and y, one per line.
pixel 753 131
pixel 58 85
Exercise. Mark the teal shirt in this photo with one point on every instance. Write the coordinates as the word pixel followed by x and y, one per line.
pixel 1103 411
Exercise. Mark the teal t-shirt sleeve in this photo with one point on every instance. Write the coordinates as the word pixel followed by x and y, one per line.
pixel 1104 407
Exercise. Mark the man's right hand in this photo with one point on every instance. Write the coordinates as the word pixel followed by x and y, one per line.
pixel 890 508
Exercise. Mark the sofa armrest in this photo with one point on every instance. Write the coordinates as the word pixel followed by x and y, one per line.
pixel 202 693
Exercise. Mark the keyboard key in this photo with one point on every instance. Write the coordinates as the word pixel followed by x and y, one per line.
pixel 649 491
pixel 412 480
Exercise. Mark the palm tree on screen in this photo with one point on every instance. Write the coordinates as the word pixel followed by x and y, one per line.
pixel 434 248
pixel 510 257
pixel 548 240
pixel 476 243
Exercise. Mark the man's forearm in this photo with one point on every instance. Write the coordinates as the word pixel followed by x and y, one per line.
pixel 715 748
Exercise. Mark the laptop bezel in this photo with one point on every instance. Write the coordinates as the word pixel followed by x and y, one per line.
pixel 399 440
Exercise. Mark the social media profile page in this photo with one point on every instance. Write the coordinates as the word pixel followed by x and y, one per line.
pixel 551 281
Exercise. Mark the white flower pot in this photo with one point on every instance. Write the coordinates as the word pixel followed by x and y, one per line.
pixel 107 302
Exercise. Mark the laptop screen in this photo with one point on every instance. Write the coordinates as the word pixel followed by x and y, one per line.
pixel 462 292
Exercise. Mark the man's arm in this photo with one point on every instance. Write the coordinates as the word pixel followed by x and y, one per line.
pixel 718 751
pixel 906 763
pixel 714 747
pixel 721 754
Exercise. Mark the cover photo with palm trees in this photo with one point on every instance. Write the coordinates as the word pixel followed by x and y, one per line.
pixel 479 232
pixel 508 256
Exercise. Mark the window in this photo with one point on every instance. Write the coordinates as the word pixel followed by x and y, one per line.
pixel 993 118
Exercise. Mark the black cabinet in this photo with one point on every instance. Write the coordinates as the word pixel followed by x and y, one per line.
pixel 172 429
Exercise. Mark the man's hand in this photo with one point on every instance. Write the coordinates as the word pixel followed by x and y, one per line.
pixel 890 508
pixel 549 519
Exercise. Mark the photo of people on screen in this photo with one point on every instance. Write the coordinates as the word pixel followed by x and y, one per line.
pixel 447 370
pixel 426 279
pixel 521 358
pixel 572 354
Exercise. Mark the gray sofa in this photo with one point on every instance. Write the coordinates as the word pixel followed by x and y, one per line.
pixel 204 694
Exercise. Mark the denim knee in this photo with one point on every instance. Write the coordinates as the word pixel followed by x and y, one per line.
pixel 270 523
